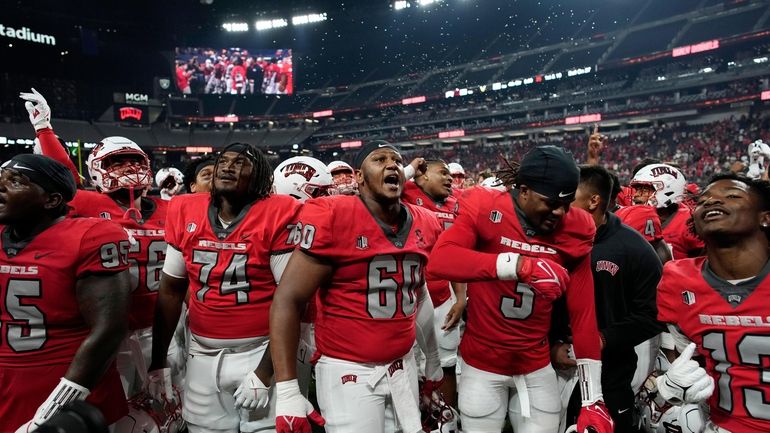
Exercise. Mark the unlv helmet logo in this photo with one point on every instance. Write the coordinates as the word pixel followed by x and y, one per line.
pixel 299 168
pixel 660 171
pixel 130 113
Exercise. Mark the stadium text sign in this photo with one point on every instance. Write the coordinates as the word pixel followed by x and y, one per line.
pixel 452 134
pixel 226 119
pixel 583 119
pixel 325 113
pixel 26 34
pixel 764 96
pixel 137 98
pixel 696 48
pixel 351 144
pixel 414 100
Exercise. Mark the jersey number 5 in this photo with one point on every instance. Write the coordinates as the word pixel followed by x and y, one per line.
pixel 29 336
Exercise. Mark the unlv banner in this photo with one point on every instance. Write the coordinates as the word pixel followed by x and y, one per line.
pixel 131 114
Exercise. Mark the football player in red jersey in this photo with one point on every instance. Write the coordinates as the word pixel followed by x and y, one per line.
pixel 458 178
pixel 646 221
pixel 663 187
pixel 432 189
pixel 229 247
pixel 64 308
pixel 719 303
pixel 372 305
pixel 520 251
pixel 120 170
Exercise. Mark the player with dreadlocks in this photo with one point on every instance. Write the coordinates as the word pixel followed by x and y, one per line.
pixel 519 251
pixel 230 248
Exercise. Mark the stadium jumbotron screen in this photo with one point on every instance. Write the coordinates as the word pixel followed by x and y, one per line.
pixel 233 71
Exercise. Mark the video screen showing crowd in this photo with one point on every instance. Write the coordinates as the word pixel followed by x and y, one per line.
pixel 381 295
pixel 233 71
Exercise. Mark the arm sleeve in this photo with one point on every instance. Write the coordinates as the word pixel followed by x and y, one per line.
pixel 426 334
pixel 103 250
pixel 454 258
pixel 582 311
pixel 51 148
pixel 278 264
pixel 174 265
pixel 641 286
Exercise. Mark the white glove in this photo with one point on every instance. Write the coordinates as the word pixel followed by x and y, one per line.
pixel 159 385
pixel 685 381
pixel 292 410
pixel 38 109
pixel 252 393
pixel 65 392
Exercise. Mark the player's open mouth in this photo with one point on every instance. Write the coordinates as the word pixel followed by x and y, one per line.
pixel 227 178
pixel 714 214
pixel 391 180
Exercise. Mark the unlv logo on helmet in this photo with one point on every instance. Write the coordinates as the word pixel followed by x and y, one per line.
pixel 663 169
pixel 299 168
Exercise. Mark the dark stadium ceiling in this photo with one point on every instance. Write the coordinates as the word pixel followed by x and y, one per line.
pixel 362 39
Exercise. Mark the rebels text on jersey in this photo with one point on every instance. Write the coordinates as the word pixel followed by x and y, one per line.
pixel 366 312
pixel 231 282
pixel 147 251
pixel 731 326
pixel 40 320
pixel 677 233
pixel 445 212
pixel 507 323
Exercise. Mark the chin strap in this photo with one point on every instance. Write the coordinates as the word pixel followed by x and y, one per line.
pixel 132 211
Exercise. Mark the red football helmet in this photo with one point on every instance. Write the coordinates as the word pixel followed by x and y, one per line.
pixel 146 415
pixel 437 416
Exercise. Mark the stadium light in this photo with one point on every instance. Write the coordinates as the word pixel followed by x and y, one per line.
pixel 236 27
pixel 401 4
pixel 271 24
pixel 308 19
pixel 424 3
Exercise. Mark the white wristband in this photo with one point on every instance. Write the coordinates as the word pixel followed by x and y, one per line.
pixel 409 172
pixel 590 379
pixel 65 392
pixel 506 266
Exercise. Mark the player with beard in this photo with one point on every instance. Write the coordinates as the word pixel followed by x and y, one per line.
pixel 519 251
pixel 372 291
pixel 65 293
pixel 120 170
pixel 432 189
pixel 719 303
pixel 229 247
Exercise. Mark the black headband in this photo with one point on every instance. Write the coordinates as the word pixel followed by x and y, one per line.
pixel 49 174
pixel 369 148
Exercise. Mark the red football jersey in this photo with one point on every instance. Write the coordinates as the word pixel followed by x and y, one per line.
pixel 677 233
pixel 507 324
pixel 366 312
pixel 643 219
pixel 625 197
pixel 148 247
pixel 40 320
pixel 445 212
pixel 231 284
pixel 732 330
